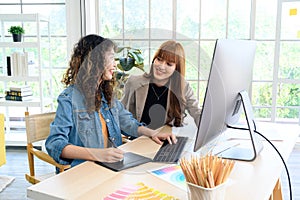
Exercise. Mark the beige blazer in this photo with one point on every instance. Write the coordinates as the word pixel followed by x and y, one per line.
pixel 135 94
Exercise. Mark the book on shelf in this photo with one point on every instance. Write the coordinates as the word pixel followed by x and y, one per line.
pixel 8 65
pixel 20 88
pixel 18 98
pixel 18 63
pixel 19 93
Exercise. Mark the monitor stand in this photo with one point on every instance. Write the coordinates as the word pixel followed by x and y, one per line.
pixel 245 154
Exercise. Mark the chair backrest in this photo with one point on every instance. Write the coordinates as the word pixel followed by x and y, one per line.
pixel 38 126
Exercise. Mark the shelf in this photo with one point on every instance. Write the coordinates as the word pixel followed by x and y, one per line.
pixel 16 139
pixel 35 102
pixel 25 78
pixel 24 44
pixel 19 78
pixel 19 44
pixel 38 73
pixel 23 17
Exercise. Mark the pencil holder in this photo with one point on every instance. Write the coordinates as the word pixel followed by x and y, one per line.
pixel 196 192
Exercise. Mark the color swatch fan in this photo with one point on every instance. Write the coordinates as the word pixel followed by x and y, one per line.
pixel 138 191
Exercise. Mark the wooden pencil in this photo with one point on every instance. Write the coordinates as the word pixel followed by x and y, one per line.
pixel 208 171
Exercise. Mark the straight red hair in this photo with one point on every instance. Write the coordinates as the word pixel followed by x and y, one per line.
pixel 173 52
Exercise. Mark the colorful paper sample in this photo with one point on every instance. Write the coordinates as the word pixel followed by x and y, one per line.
pixel 172 174
pixel 138 191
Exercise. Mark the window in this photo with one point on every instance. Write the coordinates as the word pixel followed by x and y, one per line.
pixel 197 24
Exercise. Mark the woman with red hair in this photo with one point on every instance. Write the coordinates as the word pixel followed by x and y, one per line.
pixel 162 96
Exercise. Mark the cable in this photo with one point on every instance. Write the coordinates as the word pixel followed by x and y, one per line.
pixel 285 166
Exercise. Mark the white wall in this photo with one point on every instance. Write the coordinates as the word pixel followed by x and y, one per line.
pixel 81 20
pixel 74 24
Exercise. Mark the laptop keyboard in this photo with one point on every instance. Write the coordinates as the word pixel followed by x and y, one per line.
pixel 170 153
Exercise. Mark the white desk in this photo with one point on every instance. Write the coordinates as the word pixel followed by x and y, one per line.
pixel 250 180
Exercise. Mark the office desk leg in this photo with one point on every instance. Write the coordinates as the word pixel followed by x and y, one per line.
pixel 277 192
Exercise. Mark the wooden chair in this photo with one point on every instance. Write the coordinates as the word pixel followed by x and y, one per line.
pixel 37 130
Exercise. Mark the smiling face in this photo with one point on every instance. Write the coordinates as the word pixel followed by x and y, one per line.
pixel 162 70
pixel 168 60
pixel 109 65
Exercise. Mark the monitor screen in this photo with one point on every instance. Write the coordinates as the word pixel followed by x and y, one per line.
pixel 230 74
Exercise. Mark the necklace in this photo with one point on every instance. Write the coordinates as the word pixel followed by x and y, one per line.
pixel 158 96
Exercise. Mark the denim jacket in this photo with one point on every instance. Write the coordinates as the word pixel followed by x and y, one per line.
pixel 74 125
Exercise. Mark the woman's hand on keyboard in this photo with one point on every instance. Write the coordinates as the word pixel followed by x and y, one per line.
pixel 159 135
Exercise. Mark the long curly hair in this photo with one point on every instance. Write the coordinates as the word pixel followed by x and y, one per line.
pixel 172 51
pixel 86 68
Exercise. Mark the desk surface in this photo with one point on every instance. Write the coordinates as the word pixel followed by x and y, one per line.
pixel 249 180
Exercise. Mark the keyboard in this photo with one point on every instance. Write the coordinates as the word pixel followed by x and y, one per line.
pixel 170 153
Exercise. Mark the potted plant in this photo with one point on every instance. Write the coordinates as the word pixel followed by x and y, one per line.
pixel 132 58
pixel 16 32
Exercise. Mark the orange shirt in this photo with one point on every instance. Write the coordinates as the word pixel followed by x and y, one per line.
pixel 104 130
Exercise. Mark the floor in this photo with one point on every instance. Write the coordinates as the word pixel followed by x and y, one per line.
pixel 17 166
pixel 293 165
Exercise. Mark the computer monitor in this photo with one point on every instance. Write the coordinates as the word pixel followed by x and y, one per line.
pixel 226 97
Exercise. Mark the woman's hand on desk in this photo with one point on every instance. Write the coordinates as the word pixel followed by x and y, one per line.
pixel 94 154
pixel 108 154
pixel 158 135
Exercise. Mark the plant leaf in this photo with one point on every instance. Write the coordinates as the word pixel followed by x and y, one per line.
pixel 137 55
pixel 141 67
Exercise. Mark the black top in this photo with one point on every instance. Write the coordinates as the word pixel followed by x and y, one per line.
pixel 154 112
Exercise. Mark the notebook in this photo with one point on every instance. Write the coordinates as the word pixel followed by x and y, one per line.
pixel 130 160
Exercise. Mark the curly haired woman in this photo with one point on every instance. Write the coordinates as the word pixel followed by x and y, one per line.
pixel 89 121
